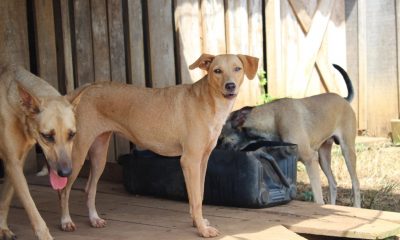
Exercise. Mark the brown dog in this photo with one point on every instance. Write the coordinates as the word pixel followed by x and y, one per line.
pixel 181 120
pixel 31 111
pixel 313 123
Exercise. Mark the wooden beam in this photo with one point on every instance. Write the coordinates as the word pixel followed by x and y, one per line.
pixel 310 47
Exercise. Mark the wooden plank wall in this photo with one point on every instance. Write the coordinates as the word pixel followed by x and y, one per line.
pixel 361 36
pixel 151 43
pixel 141 42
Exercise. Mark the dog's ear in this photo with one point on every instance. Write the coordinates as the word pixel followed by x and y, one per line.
pixel 203 62
pixel 30 104
pixel 250 65
pixel 238 117
pixel 75 97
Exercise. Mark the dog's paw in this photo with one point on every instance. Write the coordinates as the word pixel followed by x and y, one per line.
pixel 206 222
pixel 98 222
pixel 208 232
pixel 68 226
pixel 7 234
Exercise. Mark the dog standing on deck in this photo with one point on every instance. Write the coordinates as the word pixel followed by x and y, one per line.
pixel 32 111
pixel 313 123
pixel 181 120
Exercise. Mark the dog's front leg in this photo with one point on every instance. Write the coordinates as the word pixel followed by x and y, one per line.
pixel 191 167
pixel 18 180
pixel 5 201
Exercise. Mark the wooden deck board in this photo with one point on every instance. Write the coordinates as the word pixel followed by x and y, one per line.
pixel 135 217
pixel 138 217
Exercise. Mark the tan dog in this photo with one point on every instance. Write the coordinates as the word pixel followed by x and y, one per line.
pixel 181 120
pixel 31 111
pixel 313 123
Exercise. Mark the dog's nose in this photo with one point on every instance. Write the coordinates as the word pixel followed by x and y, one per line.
pixel 230 86
pixel 64 172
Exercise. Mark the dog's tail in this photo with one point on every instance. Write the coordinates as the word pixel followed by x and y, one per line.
pixel 349 85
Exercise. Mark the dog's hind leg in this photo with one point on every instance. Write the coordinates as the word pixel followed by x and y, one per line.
pixel 98 159
pixel 325 162
pixel 349 154
pixel 310 160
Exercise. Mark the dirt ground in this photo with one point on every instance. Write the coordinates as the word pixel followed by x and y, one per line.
pixel 378 168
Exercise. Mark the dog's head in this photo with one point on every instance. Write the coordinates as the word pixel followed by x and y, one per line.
pixel 51 122
pixel 226 72
pixel 233 135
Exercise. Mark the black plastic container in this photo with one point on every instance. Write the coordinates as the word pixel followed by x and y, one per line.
pixel 261 175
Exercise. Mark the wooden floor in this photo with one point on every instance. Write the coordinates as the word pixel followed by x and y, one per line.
pixel 138 217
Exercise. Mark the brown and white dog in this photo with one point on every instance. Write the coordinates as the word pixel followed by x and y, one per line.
pixel 181 120
pixel 313 123
pixel 32 111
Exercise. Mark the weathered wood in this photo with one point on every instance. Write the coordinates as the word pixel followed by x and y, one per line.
pixel 162 60
pixel 381 66
pixel 135 44
pixel 237 41
pixel 398 55
pixel 276 83
pixel 309 48
pixel 362 65
pixel 255 46
pixel 83 59
pixel 213 19
pixel 299 7
pixel 117 59
pixel 302 217
pixel 46 42
pixel 14 46
pixel 101 50
pixel 67 48
pixel 188 31
pixel 352 49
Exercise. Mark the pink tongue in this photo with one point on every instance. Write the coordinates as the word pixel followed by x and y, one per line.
pixel 56 181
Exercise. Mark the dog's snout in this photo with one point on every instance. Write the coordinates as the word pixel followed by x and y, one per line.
pixel 230 86
pixel 64 172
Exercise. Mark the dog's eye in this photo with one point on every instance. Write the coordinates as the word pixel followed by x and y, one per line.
pixel 217 71
pixel 71 135
pixel 48 137
pixel 237 69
